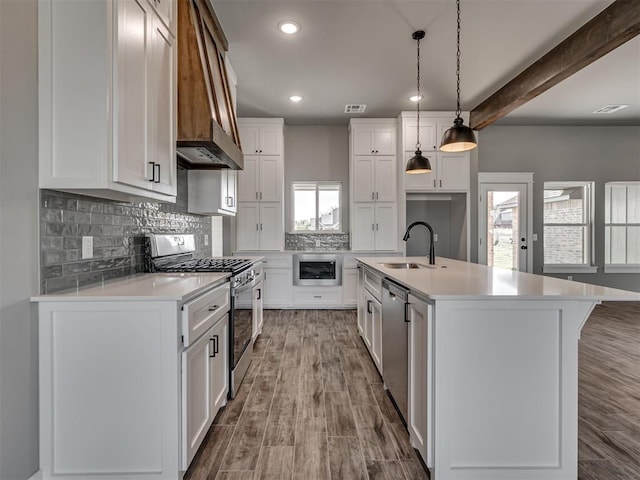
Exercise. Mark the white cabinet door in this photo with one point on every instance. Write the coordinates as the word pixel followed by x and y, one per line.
pixel 363 226
pixel 376 332
pixel 369 312
pixel 363 179
pixel 349 286
pixel 197 394
pixel 420 403
pixel 270 180
pixel 361 302
pixel 385 179
pixel 165 10
pixel 248 183
pixel 231 200
pixel 249 139
pixel 271 140
pixel 386 230
pixel 131 164
pixel 363 140
pixel 271 228
pixel 248 226
pixel 258 303
pixel 428 135
pixel 219 365
pixel 422 182
pixel 278 287
pixel 161 106
pixel 454 171
pixel 385 140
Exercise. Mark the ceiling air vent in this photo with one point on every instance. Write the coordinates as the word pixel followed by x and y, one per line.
pixel 352 108
pixel 610 108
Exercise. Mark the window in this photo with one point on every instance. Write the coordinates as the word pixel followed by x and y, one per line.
pixel 316 207
pixel 568 227
pixel 622 227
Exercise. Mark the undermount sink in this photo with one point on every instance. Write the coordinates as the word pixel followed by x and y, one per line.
pixel 409 265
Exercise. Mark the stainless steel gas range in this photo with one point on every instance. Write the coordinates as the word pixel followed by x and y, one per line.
pixel 174 253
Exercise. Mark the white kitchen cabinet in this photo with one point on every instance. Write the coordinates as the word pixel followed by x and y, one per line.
pixel 115 377
pixel 164 9
pixel 374 179
pixel 107 99
pixel 420 398
pixel 374 226
pixel 260 226
pixel 361 309
pixel 429 139
pixel 450 173
pixel 349 287
pixel 261 180
pixel 258 304
pixel 373 328
pixel 260 136
pixel 278 289
pixel 373 139
pixel 318 297
pixel 212 192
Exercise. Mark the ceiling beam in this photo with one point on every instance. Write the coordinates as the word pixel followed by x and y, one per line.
pixel 612 27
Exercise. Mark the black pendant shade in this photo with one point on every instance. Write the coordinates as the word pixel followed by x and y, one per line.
pixel 459 138
pixel 418 164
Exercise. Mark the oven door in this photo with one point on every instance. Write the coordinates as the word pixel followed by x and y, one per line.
pixel 317 269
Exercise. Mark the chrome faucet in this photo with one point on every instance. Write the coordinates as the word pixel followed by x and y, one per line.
pixel 432 248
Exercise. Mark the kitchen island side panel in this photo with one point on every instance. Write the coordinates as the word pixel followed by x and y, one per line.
pixel 109 390
pixel 506 389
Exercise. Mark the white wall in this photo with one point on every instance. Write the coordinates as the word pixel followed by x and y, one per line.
pixel 316 153
pixel 599 154
pixel 18 239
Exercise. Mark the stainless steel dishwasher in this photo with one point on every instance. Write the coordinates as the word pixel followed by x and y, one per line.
pixel 395 342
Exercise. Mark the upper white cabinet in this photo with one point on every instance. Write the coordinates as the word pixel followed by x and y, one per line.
pixel 260 191
pixel 107 93
pixel 374 140
pixel 450 172
pixel 260 136
pixel 373 180
pixel 212 192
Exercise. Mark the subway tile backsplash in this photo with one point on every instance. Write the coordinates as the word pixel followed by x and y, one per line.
pixel 316 241
pixel 118 230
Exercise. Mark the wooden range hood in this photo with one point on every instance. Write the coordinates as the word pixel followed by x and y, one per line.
pixel 207 126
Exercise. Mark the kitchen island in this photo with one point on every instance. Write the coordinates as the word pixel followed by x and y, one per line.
pixel 493 365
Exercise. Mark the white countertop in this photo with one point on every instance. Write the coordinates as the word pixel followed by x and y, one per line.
pixel 143 286
pixel 454 279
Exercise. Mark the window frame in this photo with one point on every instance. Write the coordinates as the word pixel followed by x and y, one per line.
pixel 617 267
pixel 317 184
pixel 589 206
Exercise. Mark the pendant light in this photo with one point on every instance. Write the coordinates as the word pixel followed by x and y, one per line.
pixel 458 138
pixel 418 163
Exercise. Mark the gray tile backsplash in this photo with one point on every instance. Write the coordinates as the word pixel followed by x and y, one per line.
pixel 118 231
pixel 316 241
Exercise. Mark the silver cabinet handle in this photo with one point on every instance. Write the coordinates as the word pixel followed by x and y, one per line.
pixel 260 195
pixel 257 226
pixel 257 196
pixel 373 196
pixel 434 183
pixel 440 182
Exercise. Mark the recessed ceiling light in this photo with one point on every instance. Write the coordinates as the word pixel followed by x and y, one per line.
pixel 288 27
pixel 295 98
pixel 415 98
pixel 610 108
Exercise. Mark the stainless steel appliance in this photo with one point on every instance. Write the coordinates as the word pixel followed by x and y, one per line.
pixel 395 342
pixel 317 269
pixel 174 253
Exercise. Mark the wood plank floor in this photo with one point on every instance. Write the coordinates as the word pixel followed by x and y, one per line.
pixel 312 407
pixel 609 394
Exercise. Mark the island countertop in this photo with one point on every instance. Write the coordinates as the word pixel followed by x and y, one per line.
pixel 143 286
pixel 455 279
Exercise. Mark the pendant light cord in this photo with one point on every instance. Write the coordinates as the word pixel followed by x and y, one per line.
pixel 418 102
pixel 458 110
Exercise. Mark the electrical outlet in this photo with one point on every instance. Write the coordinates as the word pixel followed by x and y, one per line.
pixel 206 240
pixel 317 243
pixel 87 247
pixel 570 277
pixel 435 237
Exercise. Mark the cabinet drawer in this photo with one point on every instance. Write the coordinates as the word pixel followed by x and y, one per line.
pixel 277 261
pixel 201 313
pixel 317 296
pixel 373 282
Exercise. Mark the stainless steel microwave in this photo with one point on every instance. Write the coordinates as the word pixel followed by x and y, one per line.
pixel 317 269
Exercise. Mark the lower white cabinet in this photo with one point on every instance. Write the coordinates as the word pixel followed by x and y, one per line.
pixel 320 297
pixel 373 328
pixel 120 395
pixel 258 304
pixel 349 287
pixel 420 405
pixel 205 384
